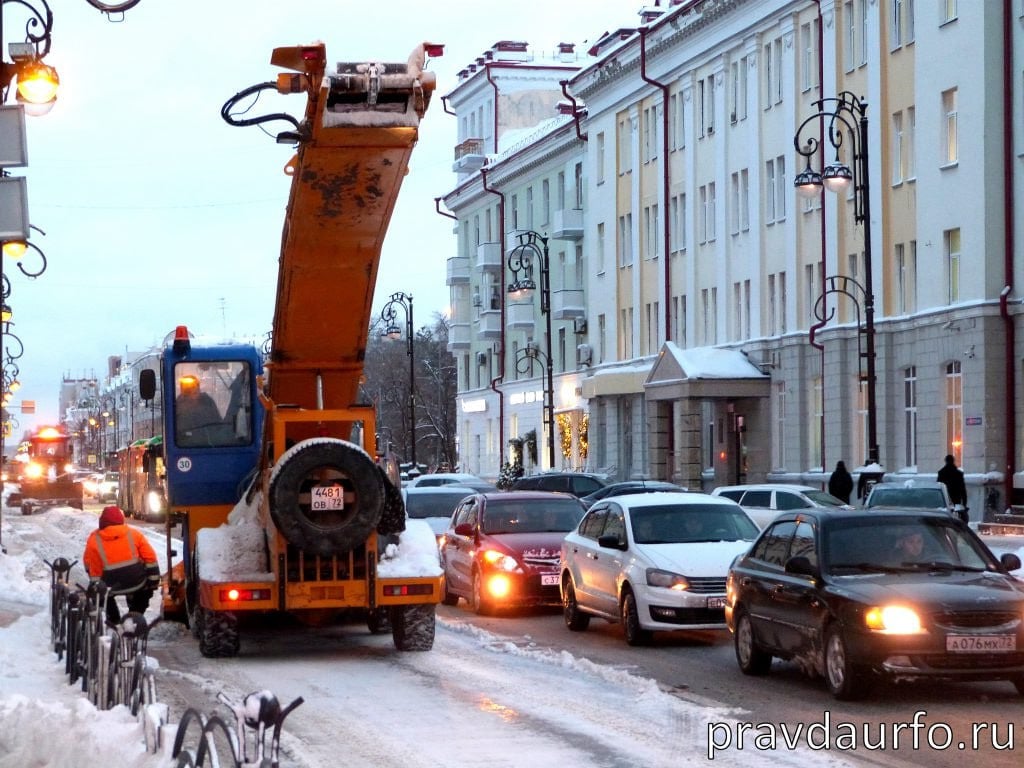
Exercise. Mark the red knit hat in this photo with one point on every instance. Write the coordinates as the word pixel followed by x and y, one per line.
pixel 111 515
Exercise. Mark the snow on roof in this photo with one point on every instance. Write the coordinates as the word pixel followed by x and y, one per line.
pixel 713 362
pixel 516 139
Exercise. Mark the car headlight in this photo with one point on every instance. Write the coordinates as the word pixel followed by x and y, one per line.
pixel 666 579
pixel 154 502
pixel 894 620
pixel 499 560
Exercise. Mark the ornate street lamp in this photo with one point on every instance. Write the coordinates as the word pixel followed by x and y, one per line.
pixel 533 246
pixel 392 331
pixel 844 118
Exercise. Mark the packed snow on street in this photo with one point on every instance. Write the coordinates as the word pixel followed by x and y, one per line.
pixel 476 699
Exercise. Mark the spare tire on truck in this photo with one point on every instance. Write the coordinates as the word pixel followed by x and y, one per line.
pixel 324 463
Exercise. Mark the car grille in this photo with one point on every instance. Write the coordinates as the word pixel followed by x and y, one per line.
pixel 954 620
pixel 702 585
pixel 549 563
pixel 970 661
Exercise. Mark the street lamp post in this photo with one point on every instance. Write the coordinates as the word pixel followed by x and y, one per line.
pixel 533 245
pixel 389 315
pixel 845 117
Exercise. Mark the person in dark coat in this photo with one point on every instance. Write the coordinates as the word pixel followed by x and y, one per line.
pixel 953 478
pixel 840 484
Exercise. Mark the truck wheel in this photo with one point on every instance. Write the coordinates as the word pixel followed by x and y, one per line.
pixel 392 519
pixel 412 627
pixel 320 462
pixel 26 507
pixel 218 633
pixel 378 620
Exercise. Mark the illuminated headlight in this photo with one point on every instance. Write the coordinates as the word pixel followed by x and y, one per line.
pixel 666 579
pixel 500 561
pixel 154 502
pixel 894 620
pixel 33 471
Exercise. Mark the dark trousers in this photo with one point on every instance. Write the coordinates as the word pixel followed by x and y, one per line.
pixel 138 601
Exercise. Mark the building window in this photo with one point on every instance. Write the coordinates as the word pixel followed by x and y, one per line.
pixel 897 148
pixel 910 416
pixel 529 207
pixel 951 245
pixel 949 129
pixel 896 25
pixel 678 229
pixel 863 32
pixel 782 302
pixel 601 338
pixel 651 232
pixel 647 136
pixel 734 91
pixel 734 204
pixel 899 258
pixel 599 256
pixel 809 56
pixel 780 425
pixel 949 10
pixel 709 213
pixel 954 411
pixel 673 119
pixel 625 145
pixel 626 240
pixel 744 200
pixel 909 20
pixel 545 202
pixel 769 192
pixel 599 157
pixel 775 190
pixel 772 306
pixel 515 212
pixel 777 53
pixel 577 173
pixel 817 419
pixel 849 27
pixel 908 145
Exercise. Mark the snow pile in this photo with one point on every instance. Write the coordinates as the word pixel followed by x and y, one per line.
pixel 235 551
pixel 414 555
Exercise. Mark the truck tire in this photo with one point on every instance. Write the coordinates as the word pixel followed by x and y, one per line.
pixel 412 627
pixel 218 633
pixel 332 532
pixel 392 518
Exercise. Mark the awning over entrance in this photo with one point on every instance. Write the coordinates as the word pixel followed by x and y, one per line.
pixel 618 380
pixel 704 372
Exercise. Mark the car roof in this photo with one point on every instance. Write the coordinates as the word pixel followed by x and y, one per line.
pixel 766 487
pixel 526 494
pixel 883 513
pixel 910 483
pixel 427 490
pixel 668 497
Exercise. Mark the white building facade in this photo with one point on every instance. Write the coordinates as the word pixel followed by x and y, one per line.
pixel 676 148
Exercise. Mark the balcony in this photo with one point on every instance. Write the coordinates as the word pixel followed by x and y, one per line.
pixel 567 304
pixel 490 325
pixel 567 224
pixel 488 256
pixel 458 270
pixel 458 337
pixel 520 316
pixel 469 156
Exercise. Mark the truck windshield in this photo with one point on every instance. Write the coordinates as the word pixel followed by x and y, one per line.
pixel 212 404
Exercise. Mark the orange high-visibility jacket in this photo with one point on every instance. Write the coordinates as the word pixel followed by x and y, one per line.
pixel 122 556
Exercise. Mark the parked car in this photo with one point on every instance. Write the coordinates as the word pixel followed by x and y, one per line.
pixel 501 549
pixel 902 594
pixel 106 489
pixel 629 486
pixel 764 501
pixel 577 483
pixel 434 504
pixel 653 561
pixel 447 478
pixel 913 494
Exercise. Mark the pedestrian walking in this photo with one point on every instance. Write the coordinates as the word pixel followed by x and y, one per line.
pixel 840 484
pixel 952 477
pixel 123 557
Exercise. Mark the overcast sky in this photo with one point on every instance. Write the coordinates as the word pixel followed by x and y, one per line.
pixel 158 213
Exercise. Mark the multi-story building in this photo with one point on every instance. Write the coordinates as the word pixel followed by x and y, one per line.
pixel 727 324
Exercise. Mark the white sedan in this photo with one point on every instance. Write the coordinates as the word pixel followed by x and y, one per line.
pixel 653 561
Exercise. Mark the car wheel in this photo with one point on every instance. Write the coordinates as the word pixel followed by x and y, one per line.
pixel 449 597
pixel 845 681
pixel 753 660
pixel 575 619
pixel 635 634
pixel 481 605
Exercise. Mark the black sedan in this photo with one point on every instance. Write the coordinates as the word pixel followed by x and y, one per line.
pixel 628 486
pixel 900 594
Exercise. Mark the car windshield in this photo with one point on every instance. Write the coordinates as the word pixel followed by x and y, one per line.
pixel 556 515
pixel 895 544
pixel 421 505
pixel 689 523
pixel 823 499
pixel 917 498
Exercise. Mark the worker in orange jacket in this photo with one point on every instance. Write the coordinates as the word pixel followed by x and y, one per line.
pixel 123 557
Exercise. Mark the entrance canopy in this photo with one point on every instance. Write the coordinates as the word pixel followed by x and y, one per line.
pixel 704 372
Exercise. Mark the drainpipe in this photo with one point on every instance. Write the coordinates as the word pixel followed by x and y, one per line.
pixel 501 357
pixel 497 110
pixel 665 181
pixel 575 109
pixel 449 214
pixel 447 109
pixel 670 433
pixel 821 223
pixel 1009 163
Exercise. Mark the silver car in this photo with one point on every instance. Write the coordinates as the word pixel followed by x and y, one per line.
pixel 764 501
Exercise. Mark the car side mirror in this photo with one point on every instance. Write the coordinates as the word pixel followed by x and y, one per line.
pixel 463 529
pixel 611 542
pixel 801 566
pixel 1010 561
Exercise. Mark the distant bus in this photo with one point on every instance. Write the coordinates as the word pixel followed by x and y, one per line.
pixel 141 490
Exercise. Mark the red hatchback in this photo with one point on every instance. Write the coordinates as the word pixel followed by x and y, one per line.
pixel 502 549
